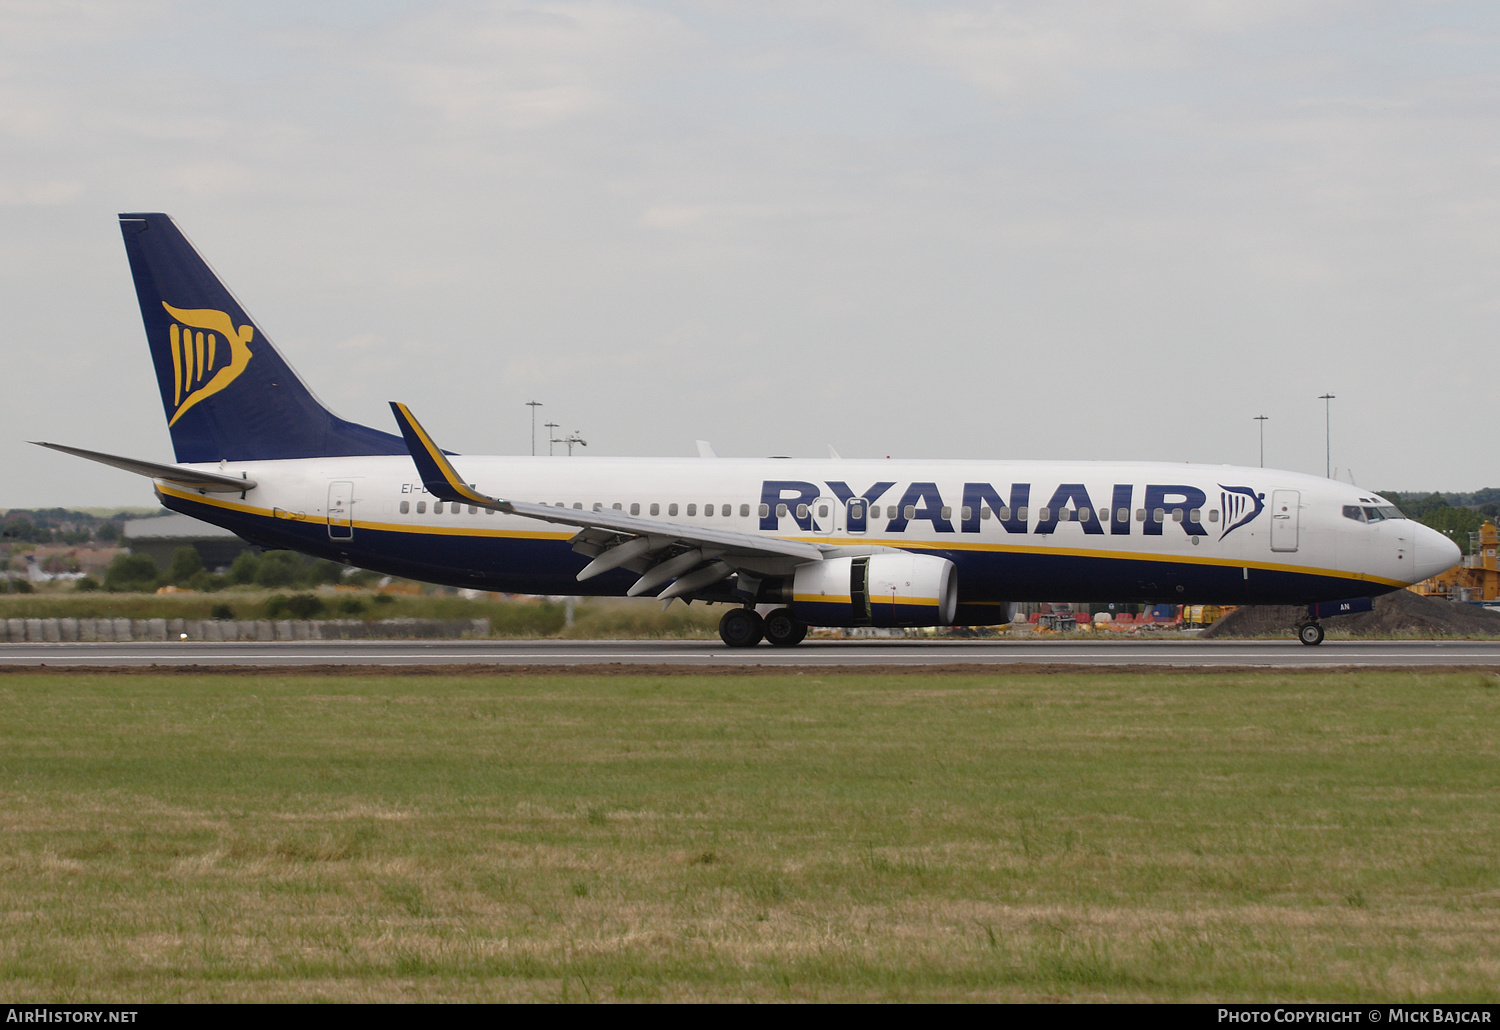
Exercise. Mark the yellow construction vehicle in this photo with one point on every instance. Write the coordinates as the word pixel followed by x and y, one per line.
pixel 1476 578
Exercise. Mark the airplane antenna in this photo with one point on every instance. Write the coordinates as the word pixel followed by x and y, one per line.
pixel 533 405
pixel 1262 420
pixel 551 428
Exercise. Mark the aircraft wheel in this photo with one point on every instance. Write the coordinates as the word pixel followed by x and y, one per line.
pixel 741 627
pixel 1310 633
pixel 783 630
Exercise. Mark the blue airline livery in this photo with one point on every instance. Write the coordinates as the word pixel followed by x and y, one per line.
pixel 786 543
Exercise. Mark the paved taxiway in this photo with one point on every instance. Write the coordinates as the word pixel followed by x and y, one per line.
pixel 690 653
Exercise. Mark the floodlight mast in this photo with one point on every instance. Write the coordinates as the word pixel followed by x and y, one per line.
pixel 533 405
pixel 1262 420
pixel 1327 400
pixel 550 426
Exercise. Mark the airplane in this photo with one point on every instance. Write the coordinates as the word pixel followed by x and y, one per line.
pixel 787 543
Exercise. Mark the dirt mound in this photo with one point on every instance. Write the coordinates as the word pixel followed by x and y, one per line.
pixel 1401 613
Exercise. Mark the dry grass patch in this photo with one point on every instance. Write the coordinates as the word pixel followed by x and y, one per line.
pixel 996 837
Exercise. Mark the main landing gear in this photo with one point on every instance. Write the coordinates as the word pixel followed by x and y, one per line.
pixel 1310 633
pixel 743 627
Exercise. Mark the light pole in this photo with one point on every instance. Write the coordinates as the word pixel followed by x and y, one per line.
pixel 1327 400
pixel 1262 420
pixel 533 405
pixel 550 427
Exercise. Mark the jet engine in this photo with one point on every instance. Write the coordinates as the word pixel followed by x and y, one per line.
pixel 876 590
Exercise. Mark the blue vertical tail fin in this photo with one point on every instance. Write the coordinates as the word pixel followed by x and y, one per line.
pixel 227 393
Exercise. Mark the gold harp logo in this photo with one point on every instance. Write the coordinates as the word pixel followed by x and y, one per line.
pixel 208 353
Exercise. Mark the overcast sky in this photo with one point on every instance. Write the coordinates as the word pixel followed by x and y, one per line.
pixel 989 230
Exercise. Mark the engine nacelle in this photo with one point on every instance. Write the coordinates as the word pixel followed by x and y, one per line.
pixel 876 590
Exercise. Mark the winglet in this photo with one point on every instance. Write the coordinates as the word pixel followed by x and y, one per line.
pixel 437 473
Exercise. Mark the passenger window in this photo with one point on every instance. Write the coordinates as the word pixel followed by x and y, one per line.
pixel 1140 515
pixel 473 509
pixel 1005 514
pixel 655 508
pixel 727 510
pixel 1196 515
pixel 405 507
pixel 781 511
pixel 421 507
pixel 692 509
pixel 489 511
pixel 617 506
pixel 1084 514
pixel 1123 515
pixel 984 511
pixel 635 509
pixel 672 508
pixel 1176 514
pixel 1159 515
pixel 911 511
pixel 1213 514
pixel 437 507
pixel 1043 514
pixel 598 506
pixel 947 513
pixel 822 511
pixel 744 511
pixel 578 506
pixel 802 511
pixel 1023 513
pixel 708 511
pixel 764 510
pixel 856 510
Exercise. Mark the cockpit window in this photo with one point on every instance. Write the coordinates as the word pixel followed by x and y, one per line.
pixel 1374 515
pixel 1390 511
pixel 1355 512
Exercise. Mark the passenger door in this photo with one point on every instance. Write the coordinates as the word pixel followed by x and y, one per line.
pixel 341 511
pixel 1284 519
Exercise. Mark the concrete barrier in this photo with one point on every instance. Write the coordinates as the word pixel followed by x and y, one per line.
pixel 18 631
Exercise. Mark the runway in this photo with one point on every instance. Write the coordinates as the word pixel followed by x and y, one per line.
pixel 681 654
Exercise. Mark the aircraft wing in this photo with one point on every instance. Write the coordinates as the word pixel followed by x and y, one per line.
pixel 212 482
pixel 695 557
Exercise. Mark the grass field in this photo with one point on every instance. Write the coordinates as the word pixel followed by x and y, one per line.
pixel 1090 837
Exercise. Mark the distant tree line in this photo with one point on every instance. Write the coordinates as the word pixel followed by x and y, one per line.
pixel 1455 515
pixel 137 573
pixel 61 526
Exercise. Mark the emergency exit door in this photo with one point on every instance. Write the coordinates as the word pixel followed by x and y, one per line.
pixel 1284 507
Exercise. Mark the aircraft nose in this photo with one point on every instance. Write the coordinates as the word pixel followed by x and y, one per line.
pixel 1433 553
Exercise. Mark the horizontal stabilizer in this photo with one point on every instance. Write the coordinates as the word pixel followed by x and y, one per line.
pixel 213 482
